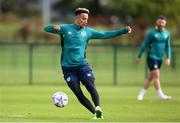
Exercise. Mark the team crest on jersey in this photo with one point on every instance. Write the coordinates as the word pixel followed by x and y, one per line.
pixel 165 35
pixel 83 34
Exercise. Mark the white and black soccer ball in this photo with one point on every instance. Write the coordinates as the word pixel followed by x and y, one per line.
pixel 60 99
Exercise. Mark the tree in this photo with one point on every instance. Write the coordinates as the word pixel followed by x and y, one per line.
pixel 64 7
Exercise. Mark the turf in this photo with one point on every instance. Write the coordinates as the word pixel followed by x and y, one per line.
pixel 21 102
pixel 33 103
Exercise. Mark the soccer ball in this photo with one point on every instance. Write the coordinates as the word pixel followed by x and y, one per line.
pixel 60 99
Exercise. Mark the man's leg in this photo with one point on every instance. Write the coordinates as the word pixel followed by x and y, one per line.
pixel 156 81
pixel 75 87
pixel 90 86
pixel 146 86
pixel 72 79
pixel 152 65
pixel 87 79
pixel 157 85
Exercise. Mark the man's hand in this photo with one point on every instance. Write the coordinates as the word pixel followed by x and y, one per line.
pixel 129 29
pixel 56 27
pixel 168 61
pixel 138 60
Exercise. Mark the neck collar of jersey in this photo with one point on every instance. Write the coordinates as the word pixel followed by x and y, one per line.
pixel 159 29
pixel 78 27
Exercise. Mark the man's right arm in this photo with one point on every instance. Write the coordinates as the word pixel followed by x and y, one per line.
pixel 146 42
pixel 52 28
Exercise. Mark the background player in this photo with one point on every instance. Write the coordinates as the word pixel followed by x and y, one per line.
pixel 157 40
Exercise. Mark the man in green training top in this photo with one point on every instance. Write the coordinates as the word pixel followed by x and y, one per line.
pixel 74 40
pixel 157 40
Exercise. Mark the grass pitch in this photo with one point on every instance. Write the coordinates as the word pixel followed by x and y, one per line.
pixel 34 104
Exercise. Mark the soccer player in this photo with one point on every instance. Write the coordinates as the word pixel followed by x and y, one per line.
pixel 74 40
pixel 157 41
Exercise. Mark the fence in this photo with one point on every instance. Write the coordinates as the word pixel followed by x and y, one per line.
pixel 39 63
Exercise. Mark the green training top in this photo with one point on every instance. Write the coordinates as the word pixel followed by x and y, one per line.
pixel 157 41
pixel 74 41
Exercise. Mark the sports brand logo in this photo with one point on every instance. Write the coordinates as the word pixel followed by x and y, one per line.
pixel 70 33
pixel 155 66
pixel 156 35
pixel 68 79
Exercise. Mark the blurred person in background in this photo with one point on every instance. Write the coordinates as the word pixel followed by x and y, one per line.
pixel 74 40
pixel 157 40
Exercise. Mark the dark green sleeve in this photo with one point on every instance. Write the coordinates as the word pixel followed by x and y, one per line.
pixel 168 48
pixel 106 34
pixel 50 28
pixel 146 43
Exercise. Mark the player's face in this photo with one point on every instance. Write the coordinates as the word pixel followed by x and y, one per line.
pixel 161 23
pixel 82 19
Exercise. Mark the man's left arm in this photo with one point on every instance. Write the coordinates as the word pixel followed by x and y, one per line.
pixel 168 50
pixel 109 34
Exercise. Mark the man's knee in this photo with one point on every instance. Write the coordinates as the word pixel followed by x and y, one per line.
pixel 155 73
pixel 155 77
pixel 88 80
pixel 75 88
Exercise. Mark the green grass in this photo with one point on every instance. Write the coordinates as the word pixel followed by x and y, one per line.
pixel 33 103
pixel 21 102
